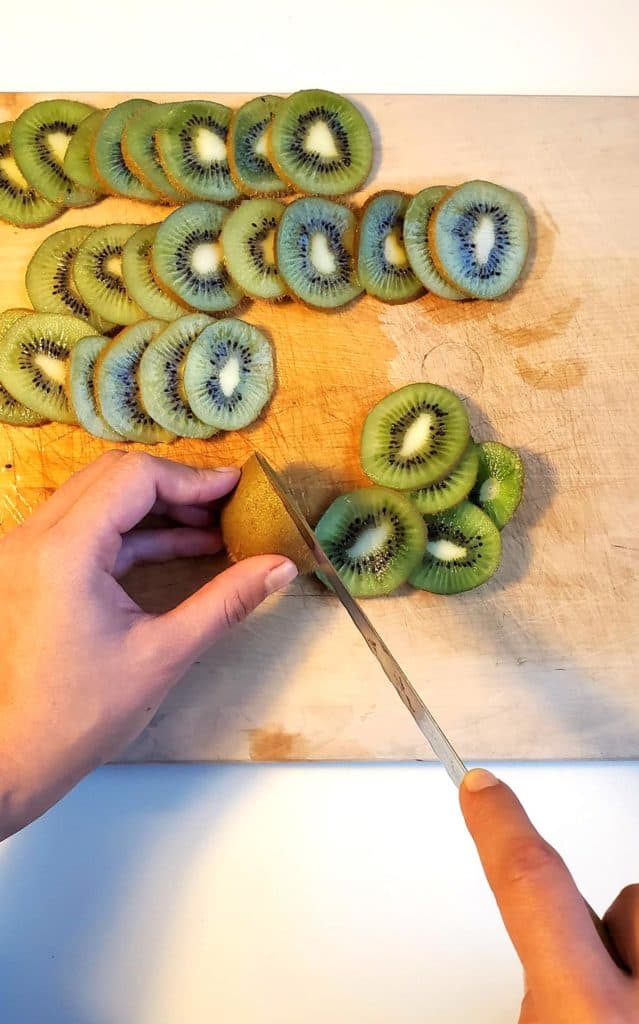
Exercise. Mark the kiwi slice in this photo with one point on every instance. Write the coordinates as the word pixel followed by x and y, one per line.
pixel 193 151
pixel 500 481
pixel 11 411
pixel 463 551
pixel 314 252
pixel 49 277
pixel 414 437
pixel 453 488
pixel 34 359
pixel 81 391
pixel 254 521
pixel 187 258
pixel 161 377
pixel 382 263
pixel 374 537
pixel 320 143
pixel 478 238
pixel 107 160
pixel 416 222
pixel 137 270
pixel 248 243
pixel 39 138
pixel 97 272
pixel 117 385
pixel 140 151
pixel 77 159
pixel 249 160
pixel 229 374
pixel 20 203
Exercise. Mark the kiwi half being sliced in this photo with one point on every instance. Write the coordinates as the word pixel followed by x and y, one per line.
pixel 12 411
pixel 416 222
pixel 137 271
pixel 453 488
pixel 500 481
pixel 249 160
pixel 382 263
pixel 414 437
pixel 187 258
pixel 248 244
pixel 20 203
pixel 49 277
pixel 97 272
pixel 34 358
pixel 374 537
pixel 39 138
pixel 107 160
pixel 140 151
pixel 229 375
pixel 478 238
pixel 77 159
pixel 255 522
pixel 161 377
pixel 81 390
pixel 320 143
pixel 117 384
pixel 314 252
pixel 192 148
pixel 463 551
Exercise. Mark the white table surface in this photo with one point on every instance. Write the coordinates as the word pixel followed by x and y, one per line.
pixel 273 894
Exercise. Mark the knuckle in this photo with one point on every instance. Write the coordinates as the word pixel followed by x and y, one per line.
pixel 529 859
pixel 112 456
pixel 138 462
pixel 235 609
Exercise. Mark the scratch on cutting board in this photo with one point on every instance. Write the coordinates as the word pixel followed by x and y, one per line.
pixel 424 346
pixel 276 745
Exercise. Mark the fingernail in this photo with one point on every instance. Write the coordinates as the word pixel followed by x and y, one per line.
pixel 225 469
pixel 478 779
pixel 278 577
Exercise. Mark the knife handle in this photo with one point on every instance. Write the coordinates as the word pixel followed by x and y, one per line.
pixel 607 940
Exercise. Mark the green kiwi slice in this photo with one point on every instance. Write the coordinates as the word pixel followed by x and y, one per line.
pixel 416 222
pixel 187 258
pixel 77 159
pixel 107 160
pixel 20 203
pixel 11 411
pixel 462 552
pixel 229 375
pixel 192 148
pixel 161 377
pixel 478 238
pixel 97 272
pixel 140 151
pixel 117 385
pixel 137 270
pixel 81 390
pixel 414 437
pixel 320 143
pixel 249 160
pixel 382 263
pixel 453 488
pixel 34 358
pixel 39 138
pixel 500 481
pixel 248 244
pixel 374 537
pixel 49 278
pixel 314 252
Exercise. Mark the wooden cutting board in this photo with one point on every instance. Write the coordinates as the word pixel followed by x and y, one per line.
pixel 541 662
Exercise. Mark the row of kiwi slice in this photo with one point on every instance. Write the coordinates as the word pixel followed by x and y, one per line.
pixel 63 153
pixel 152 382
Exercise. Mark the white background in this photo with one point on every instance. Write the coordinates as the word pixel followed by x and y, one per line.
pixel 185 895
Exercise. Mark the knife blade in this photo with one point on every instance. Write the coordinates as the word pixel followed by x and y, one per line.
pixel 425 721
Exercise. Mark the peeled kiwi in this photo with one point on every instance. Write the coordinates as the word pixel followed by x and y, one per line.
pixel 255 522
pixel 248 244
pixel 462 552
pixel 249 160
pixel 81 389
pixel 11 411
pixel 140 151
pixel 320 143
pixel 414 437
pixel 39 139
pixel 416 223
pixel 374 538
pixel 97 272
pixel 107 161
pixel 453 488
pixel 314 252
pixel 478 238
pixel 137 271
pixel 77 159
pixel 49 278
pixel 382 263
pixel 192 148
pixel 500 481
pixel 20 203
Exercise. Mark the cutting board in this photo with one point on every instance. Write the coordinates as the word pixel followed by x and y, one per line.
pixel 541 662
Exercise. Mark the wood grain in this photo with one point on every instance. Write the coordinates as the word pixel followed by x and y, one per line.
pixel 540 663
